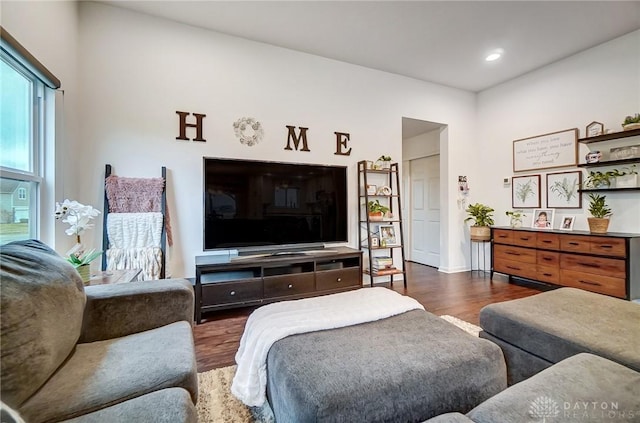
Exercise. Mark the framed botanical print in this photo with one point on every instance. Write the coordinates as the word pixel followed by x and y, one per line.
pixel 562 190
pixel 525 192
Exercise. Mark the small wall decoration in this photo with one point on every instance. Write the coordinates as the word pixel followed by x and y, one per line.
pixel 562 190
pixel 557 149
pixel 525 191
pixel 594 129
pixel 248 131
pixel 388 235
pixel 543 219
pixel 567 223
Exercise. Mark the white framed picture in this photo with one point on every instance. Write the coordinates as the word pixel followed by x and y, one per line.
pixel 562 190
pixel 543 219
pixel 566 224
pixel 387 235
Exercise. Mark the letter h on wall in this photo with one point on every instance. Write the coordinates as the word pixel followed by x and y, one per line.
pixel 184 125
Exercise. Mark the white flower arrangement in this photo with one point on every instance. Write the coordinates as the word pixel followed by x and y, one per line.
pixel 78 217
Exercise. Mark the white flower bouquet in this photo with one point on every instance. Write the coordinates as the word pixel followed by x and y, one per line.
pixel 78 217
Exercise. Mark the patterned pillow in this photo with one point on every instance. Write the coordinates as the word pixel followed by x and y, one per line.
pixel 41 309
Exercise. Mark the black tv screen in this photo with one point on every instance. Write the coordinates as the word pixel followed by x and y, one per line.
pixel 269 204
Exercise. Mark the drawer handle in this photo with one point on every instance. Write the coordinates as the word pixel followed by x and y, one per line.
pixel 547 274
pixel 513 268
pixel 511 253
pixel 596 266
pixel 339 279
pixel 574 243
pixel 547 258
pixel 290 286
pixel 589 283
pixel 526 238
pixel 546 241
pixel 606 246
pixel 232 293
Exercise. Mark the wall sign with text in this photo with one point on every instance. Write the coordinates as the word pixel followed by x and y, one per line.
pixel 557 149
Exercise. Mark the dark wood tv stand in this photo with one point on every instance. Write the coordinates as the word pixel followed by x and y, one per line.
pixel 224 282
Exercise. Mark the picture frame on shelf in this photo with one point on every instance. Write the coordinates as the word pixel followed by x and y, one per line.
pixel 525 192
pixel 566 224
pixel 372 189
pixel 594 129
pixel 543 219
pixel 562 190
pixel 375 242
pixel 556 149
pixel 387 235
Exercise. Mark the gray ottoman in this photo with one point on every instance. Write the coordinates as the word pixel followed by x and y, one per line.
pixel 538 331
pixel 582 388
pixel 406 368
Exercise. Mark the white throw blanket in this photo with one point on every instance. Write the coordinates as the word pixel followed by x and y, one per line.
pixel 134 230
pixel 272 322
pixel 148 259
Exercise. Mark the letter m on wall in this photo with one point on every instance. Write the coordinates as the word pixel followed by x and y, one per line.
pixel 292 137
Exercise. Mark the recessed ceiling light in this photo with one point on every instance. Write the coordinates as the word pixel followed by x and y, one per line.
pixel 494 55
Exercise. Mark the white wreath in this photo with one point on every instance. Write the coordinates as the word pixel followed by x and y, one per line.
pixel 248 130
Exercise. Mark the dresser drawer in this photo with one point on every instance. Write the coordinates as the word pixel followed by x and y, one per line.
pixel 337 279
pixel 502 236
pixel 595 265
pixel 548 241
pixel 548 258
pixel 515 268
pixel 285 285
pixel 524 239
pixel 523 255
pixel 608 246
pixel 575 244
pixel 550 274
pixel 595 283
pixel 231 292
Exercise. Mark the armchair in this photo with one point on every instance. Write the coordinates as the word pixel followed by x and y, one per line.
pixel 96 354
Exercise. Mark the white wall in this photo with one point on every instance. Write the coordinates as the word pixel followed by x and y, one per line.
pixel 601 84
pixel 49 31
pixel 423 145
pixel 136 71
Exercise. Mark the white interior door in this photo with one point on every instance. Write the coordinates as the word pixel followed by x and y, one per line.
pixel 425 210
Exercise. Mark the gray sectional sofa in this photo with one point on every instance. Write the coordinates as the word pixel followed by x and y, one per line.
pixel 110 353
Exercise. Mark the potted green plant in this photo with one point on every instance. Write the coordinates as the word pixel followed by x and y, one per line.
pixel 482 217
pixel 627 177
pixel 601 212
pixel 631 122
pixel 384 162
pixel 515 218
pixel 376 210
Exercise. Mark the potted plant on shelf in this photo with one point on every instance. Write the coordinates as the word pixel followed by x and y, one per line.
pixel 631 122
pixel 627 177
pixel 482 217
pixel 515 218
pixel 598 208
pixel 384 162
pixel 376 210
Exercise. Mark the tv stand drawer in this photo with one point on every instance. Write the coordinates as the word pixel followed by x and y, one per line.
pixel 284 286
pixel 337 279
pixel 232 292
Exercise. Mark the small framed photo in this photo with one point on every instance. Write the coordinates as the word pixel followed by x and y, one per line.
pixel 374 241
pixel 562 190
pixel 372 189
pixel 594 129
pixel 388 235
pixel 525 192
pixel 543 219
pixel 566 224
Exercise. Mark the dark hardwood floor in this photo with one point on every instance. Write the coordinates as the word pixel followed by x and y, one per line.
pixel 460 294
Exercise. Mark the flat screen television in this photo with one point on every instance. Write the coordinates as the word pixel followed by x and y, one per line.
pixel 251 205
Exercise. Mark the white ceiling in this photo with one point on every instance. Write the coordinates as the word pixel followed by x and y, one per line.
pixel 438 41
pixel 444 42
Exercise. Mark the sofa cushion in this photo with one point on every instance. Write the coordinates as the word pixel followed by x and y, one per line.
pixel 103 373
pixel 41 316
pixel 557 324
pixel 171 405
pixel 581 388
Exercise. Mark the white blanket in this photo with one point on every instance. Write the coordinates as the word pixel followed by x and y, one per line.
pixel 134 230
pixel 148 259
pixel 272 322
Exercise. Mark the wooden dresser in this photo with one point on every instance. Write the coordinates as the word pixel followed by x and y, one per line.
pixel 608 264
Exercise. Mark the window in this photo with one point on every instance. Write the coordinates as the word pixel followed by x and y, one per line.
pixel 21 131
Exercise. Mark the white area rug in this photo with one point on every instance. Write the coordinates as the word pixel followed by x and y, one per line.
pixel 217 405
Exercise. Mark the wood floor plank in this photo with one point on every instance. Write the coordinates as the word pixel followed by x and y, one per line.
pixel 459 294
